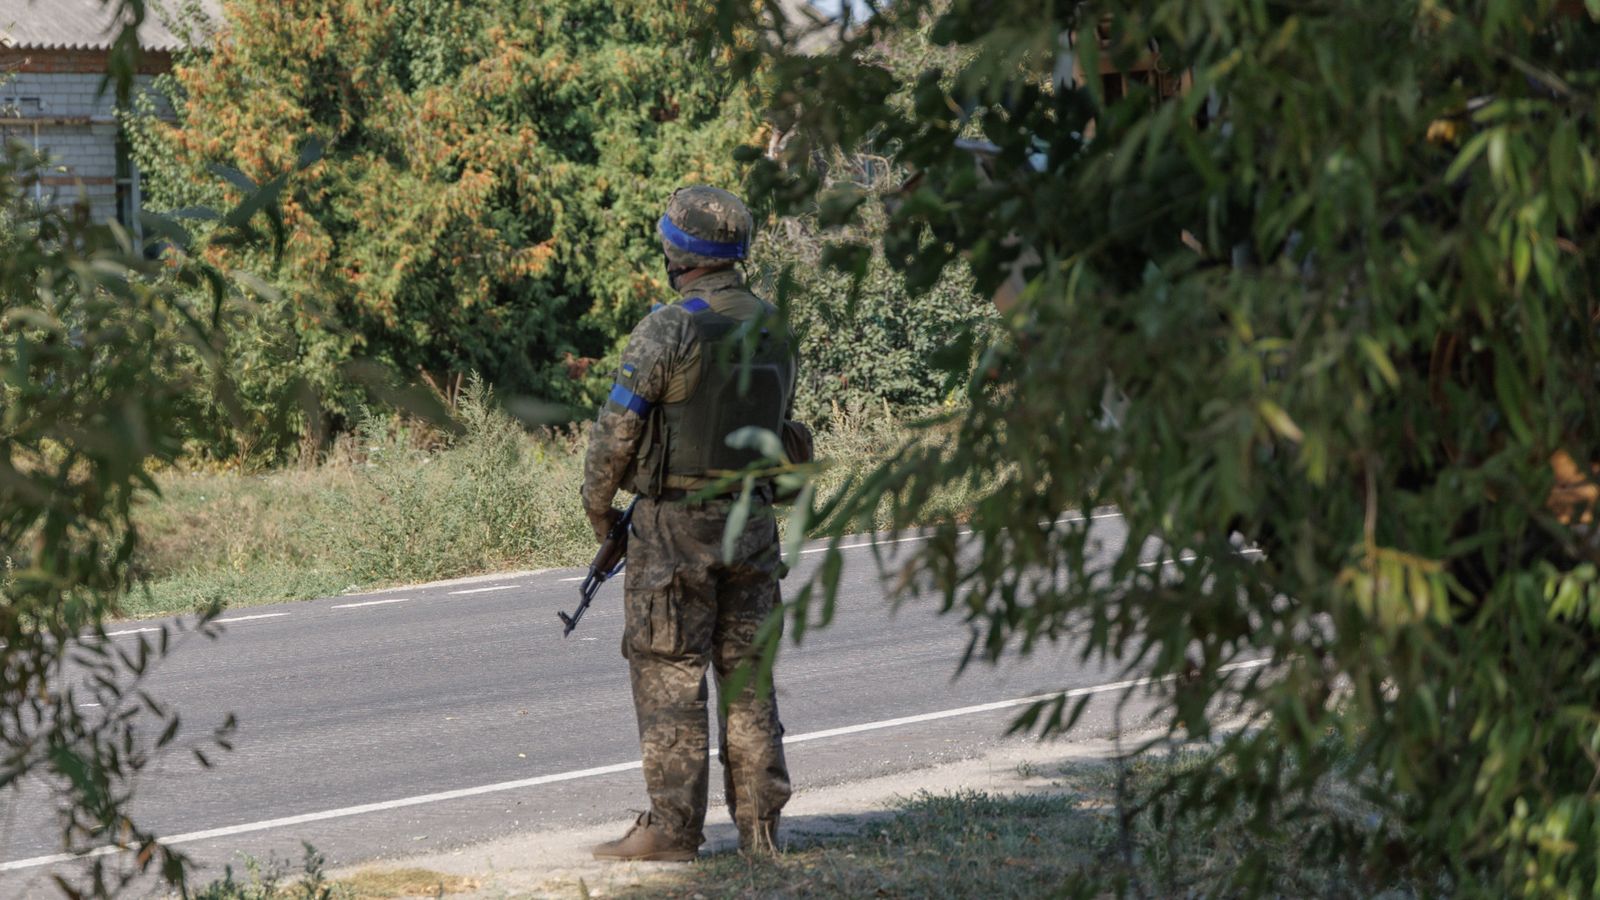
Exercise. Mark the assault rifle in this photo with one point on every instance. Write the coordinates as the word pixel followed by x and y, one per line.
pixel 608 561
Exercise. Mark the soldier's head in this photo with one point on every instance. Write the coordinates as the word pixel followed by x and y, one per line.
pixel 704 228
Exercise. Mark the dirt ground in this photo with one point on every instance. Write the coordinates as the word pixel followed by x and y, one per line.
pixel 557 864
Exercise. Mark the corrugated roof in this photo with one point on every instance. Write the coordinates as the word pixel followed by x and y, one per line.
pixel 86 24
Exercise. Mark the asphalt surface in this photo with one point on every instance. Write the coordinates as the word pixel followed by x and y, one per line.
pixel 357 713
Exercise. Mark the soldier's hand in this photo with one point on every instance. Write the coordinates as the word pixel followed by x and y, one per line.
pixel 602 521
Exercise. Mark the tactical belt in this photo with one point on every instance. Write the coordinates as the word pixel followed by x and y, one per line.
pixel 762 492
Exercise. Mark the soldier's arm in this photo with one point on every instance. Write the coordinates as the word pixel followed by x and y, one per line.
pixel 641 381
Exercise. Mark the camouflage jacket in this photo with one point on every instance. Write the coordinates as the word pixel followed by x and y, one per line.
pixel 661 364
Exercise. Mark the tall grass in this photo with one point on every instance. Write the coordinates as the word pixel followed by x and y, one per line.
pixel 390 508
pixel 383 509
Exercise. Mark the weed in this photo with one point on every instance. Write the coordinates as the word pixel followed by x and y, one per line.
pixel 271 882
pixel 390 508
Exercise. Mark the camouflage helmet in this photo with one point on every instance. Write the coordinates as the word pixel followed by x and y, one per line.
pixel 705 226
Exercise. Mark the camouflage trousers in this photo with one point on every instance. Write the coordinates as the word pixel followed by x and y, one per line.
pixel 686 609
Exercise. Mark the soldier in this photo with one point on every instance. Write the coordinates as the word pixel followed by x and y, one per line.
pixel 694 372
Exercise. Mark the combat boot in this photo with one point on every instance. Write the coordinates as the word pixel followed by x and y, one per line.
pixel 762 838
pixel 646 841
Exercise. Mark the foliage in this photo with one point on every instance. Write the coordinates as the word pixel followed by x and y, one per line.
pixel 1335 299
pixel 270 881
pixel 866 345
pixel 492 173
pixel 92 395
pixel 86 402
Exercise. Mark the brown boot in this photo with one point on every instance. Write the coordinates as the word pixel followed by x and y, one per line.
pixel 648 842
pixel 762 838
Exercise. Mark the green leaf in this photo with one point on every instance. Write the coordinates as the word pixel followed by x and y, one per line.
pixel 799 518
pixel 1512 393
pixel 1380 360
pixel 756 438
pixel 1279 421
pixel 1469 154
pixel 738 517
pixel 1521 260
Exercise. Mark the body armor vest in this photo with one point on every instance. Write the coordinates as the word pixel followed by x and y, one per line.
pixel 747 375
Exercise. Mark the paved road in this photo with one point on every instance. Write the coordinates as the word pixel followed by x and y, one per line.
pixel 416 720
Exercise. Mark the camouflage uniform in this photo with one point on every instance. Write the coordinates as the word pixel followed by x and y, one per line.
pixel 686 606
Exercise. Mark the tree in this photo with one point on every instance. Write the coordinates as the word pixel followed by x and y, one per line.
pixel 1334 300
pixel 865 343
pixel 492 175
pixel 93 395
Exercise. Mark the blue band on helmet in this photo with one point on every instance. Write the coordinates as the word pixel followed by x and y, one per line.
pixel 688 243
pixel 695 304
pixel 630 401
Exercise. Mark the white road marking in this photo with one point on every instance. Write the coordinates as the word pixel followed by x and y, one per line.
pixel 132 631
pixel 498 587
pixel 962 533
pixel 577 774
pixel 1001 704
pixel 877 543
pixel 87 705
pixel 579 578
pixel 370 603
pixel 250 618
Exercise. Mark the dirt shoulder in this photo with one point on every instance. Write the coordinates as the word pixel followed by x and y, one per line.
pixel 557 864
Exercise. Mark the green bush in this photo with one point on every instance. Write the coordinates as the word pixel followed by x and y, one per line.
pixel 867 344
pixel 93 388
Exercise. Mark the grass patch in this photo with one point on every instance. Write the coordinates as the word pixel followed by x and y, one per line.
pixel 1067 842
pixel 380 511
pixel 956 846
pixel 385 510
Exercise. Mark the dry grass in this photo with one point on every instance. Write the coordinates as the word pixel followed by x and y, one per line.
pixel 380 512
pixel 384 511
pixel 380 884
pixel 958 846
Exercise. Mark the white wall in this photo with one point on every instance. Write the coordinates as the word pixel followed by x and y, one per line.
pixel 82 150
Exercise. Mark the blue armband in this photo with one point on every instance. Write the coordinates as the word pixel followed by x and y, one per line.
pixel 630 401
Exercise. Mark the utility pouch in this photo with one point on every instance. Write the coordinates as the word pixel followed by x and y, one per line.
pixel 798 444
pixel 649 469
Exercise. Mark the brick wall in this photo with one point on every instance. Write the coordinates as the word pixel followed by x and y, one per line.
pixel 92 62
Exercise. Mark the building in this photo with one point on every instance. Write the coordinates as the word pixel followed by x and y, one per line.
pixel 53 59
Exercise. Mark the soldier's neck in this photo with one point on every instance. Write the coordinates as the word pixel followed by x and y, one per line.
pixel 708 278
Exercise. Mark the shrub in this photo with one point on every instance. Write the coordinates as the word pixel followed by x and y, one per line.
pixel 494 498
pixel 92 336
